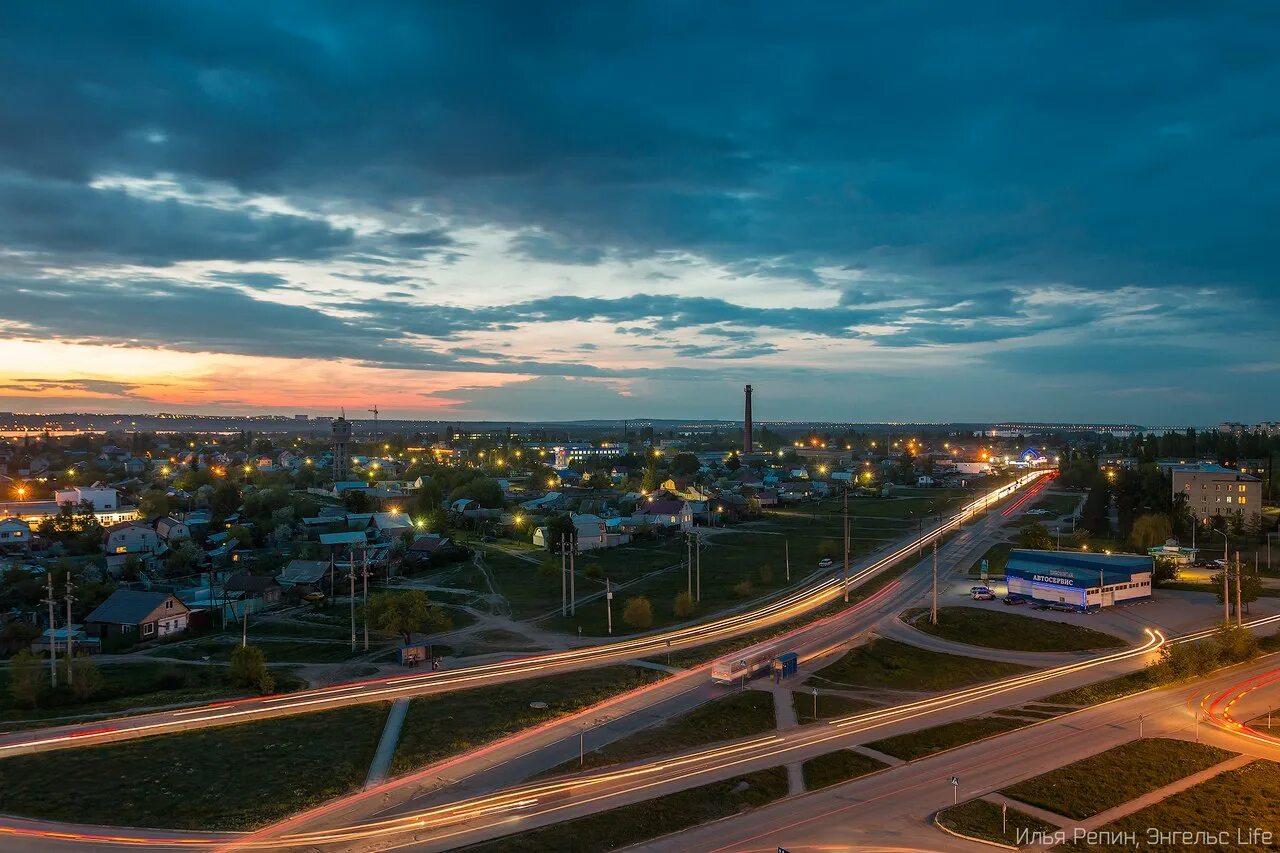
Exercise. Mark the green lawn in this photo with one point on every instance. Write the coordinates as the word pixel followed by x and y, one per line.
pixel 833 768
pixel 1003 629
pixel 737 715
pixel 828 706
pixel 914 745
pixel 1058 504
pixel 230 778
pixel 981 819
pixel 997 557
pixel 1247 797
pixel 889 663
pixel 628 825
pixel 450 723
pixel 1130 770
pixel 127 686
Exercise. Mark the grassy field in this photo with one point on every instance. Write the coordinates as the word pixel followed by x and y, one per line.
pixel 828 706
pixel 1058 504
pixel 1002 629
pixel 127 686
pixel 231 778
pixel 282 651
pixel 914 745
pixel 755 554
pixel 981 819
pixel 1248 797
pixel 833 768
pixel 1130 770
pixel 888 663
pixel 639 822
pixel 736 715
pixel 997 558
pixel 450 723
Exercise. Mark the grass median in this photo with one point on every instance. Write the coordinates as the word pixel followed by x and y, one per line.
pixel 226 778
pixel 1130 770
pixel 1231 802
pixel 999 629
pixel 981 819
pixel 734 716
pixel 889 663
pixel 440 726
pixel 913 745
pixel 832 768
pixel 622 827
pixel 828 706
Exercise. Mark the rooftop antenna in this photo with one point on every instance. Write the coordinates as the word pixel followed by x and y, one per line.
pixel 375 418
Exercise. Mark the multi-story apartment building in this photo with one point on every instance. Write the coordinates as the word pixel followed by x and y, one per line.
pixel 1215 490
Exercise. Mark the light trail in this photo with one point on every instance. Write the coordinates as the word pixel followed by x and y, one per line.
pixel 1218 709
pixel 594 787
pixel 788 607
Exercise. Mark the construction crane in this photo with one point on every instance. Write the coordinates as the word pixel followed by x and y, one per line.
pixel 375 418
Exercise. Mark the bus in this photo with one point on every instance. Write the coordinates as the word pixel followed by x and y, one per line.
pixel 747 663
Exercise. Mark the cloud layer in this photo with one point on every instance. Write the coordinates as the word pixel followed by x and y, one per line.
pixel 951 212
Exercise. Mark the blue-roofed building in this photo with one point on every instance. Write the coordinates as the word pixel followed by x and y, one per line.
pixel 1077 579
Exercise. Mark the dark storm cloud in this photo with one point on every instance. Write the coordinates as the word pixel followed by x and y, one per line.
pixel 983 141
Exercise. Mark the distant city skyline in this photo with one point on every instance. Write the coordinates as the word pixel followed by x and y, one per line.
pixel 492 211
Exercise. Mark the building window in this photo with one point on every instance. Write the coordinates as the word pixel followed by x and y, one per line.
pixel 1241 500
pixel 148 629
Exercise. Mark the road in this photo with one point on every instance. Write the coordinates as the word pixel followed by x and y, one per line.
pixel 785 608
pixel 895 806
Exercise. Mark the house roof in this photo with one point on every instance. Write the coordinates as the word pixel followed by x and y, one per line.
pixel 662 507
pixel 128 607
pixel 304 571
pixel 429 543
pixel 353 537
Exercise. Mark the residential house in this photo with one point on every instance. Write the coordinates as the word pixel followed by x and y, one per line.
pixel 142 615
pixel 260 587
pixel 305 576
pixel 670 513
pixel 100 496
pixel 129 539
pixel 170 530
pixel 391 525
pixel 15 535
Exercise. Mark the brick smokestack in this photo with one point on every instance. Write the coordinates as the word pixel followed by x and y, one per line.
pixel 746 422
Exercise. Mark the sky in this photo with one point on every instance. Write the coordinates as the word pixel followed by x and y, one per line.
pixel 526 211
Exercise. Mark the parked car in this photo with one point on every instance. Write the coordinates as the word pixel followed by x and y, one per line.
pixel 984 596
pixel 1013 600
pixel 826 563
pixel 973 590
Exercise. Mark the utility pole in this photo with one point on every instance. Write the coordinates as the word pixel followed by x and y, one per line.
pixel 364 580
pixel 688 562
pixel 786 555
pixel 70 638
pixel 53 637
pixel 564 578
pixel 351 575
pixel 933 616
pixel 844 579
pixel 573 595
pixel 698 586
pixel 1239 617
pixel 608 604
pixel 1226 584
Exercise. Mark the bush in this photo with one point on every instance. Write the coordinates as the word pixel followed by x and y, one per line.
pixel 249 669
pixel 26 678
pixel 766 573
pixel 744 589
pixel 638 613
pixel 683 606
pixel 86 679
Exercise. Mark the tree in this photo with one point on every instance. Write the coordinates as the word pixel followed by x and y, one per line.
pixel 1096 514
pixel 1149 530
pixel 184 557
pixel 1236 644
pixel 154 503
pixel 249 669
pixel 241 534
pixel 683 606
pixel 355 500
pixel 26 678
pixel 482 490
pixel 1035 536
pixel 638 613
pixel 744 588
pixel 685 465
pixel 407 613
pixel 560 528
pixel 1164 571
